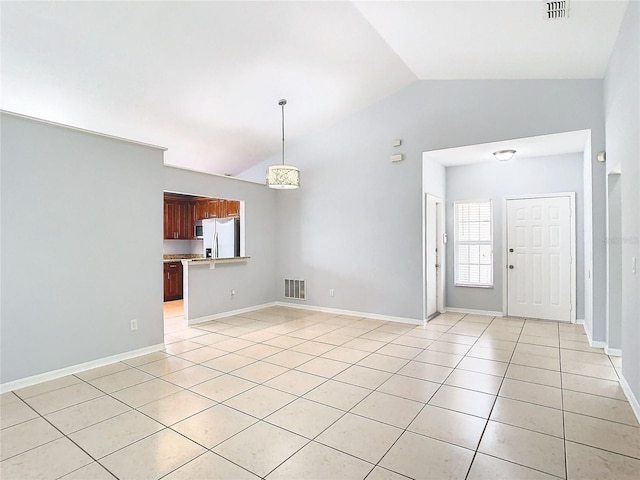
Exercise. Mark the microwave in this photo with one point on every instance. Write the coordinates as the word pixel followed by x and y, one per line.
pixel 197 229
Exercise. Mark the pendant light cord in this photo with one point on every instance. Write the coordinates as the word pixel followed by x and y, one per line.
pixel 282 103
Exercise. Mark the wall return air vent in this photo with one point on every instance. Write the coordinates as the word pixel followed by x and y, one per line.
pixel 554 10
pixel 295 289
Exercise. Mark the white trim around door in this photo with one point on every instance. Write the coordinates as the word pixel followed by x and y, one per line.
pixel 433 255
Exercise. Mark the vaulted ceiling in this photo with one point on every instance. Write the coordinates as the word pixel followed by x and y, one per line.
pixel 204 78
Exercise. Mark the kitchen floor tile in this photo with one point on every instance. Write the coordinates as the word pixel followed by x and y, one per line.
pixel 449 426
pixel 426 371
pixel 595 432
pixel 584 462
pixel 62 398
pixel 191 376
pixel 146 392
pixel 338 394
pixel 176 407
pixel 480 365
pixel 203 467
pixel 260 401
pixel 534 375
pixel 408 387
pixel 323 367
pixel 249 449
pixel 229 362
pixel 349 433
pixel 153 457
pixel 223 387
pixel 528 415
pixel 524 447
pixel 594 386
pixel 363 399
pixel 46 387
pixel 383 362
pixel 531 392
pixel 480 382
pixel 110 435
pixel 82 415
pixel 391 409
pixel 118 381
pixel 260 372
pixel 25 436
pixel 49 461
pixel 295 383
pixel 417 456
pixel 93 471
pixel 462 400
pixel 601 407
pixel 289 358
pixel 363 377
pixel 305 417
pixel 485 467
pixel 321 462
pixel 214 425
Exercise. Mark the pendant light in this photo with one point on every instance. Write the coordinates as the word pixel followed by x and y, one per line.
pixel 283 176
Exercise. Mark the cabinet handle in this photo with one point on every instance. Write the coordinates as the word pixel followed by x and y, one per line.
pixel 167 275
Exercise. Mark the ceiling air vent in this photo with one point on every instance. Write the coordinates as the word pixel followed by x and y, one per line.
pixel 295 289
pixel 554 10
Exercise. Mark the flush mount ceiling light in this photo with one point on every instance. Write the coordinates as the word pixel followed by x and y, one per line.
pixel 283 176
pixel 504 155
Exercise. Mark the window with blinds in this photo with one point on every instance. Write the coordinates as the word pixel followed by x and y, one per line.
pixel 473 244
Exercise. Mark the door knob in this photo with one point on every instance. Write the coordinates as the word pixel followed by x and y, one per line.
pixel 510 267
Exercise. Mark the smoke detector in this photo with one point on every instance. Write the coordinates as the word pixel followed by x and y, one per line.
pixel 554 10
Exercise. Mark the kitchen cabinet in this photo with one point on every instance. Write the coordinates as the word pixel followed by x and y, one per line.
pixel 178 219
pixel 172 281
pixel 233 208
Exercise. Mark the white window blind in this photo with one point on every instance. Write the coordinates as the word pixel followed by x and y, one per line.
pixel 473 244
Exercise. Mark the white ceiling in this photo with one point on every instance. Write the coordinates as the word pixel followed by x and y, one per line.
pixel 530 147
pixel 204 78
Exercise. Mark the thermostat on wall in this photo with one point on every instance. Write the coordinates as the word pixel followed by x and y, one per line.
pixel 397 158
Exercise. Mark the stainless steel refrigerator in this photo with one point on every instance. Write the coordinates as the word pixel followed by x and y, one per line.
pixel 221 237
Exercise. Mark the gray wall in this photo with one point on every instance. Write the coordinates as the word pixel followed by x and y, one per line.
pixel 81 246
pixel 496 181
pixel 622 109
pixel 253 280
pixel 356 223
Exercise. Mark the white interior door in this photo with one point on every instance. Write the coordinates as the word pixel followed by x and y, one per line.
pixel 539 263
pixel 432 256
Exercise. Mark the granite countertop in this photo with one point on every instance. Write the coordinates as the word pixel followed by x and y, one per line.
pixel 182 256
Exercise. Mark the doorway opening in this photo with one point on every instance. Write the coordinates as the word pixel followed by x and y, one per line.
pixel 434 256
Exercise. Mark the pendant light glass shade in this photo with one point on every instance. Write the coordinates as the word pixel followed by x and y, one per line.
pixel 283 177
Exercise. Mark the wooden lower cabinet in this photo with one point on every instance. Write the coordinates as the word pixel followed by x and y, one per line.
pixel 172 281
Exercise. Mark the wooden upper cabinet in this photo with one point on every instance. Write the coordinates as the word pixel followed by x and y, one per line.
pixel 233 208
pixel 178 219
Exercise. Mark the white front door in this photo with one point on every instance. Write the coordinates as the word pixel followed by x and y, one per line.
pixel 539 262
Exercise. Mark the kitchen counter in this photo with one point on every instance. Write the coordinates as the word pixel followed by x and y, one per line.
pixel 211 261
pixel 183 256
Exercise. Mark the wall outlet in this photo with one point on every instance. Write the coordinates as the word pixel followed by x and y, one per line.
pixel 133 325
pixel 331 292
pixel 233 292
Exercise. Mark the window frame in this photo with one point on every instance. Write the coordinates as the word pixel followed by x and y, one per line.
pixel 457 242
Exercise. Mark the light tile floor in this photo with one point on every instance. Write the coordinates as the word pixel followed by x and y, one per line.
pixel 286 393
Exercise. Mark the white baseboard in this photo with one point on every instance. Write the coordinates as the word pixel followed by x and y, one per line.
pixel 81 367
pixel 473 312
pixel 633 401
pixel 337 311
pixel 614 352
pixel 230 313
